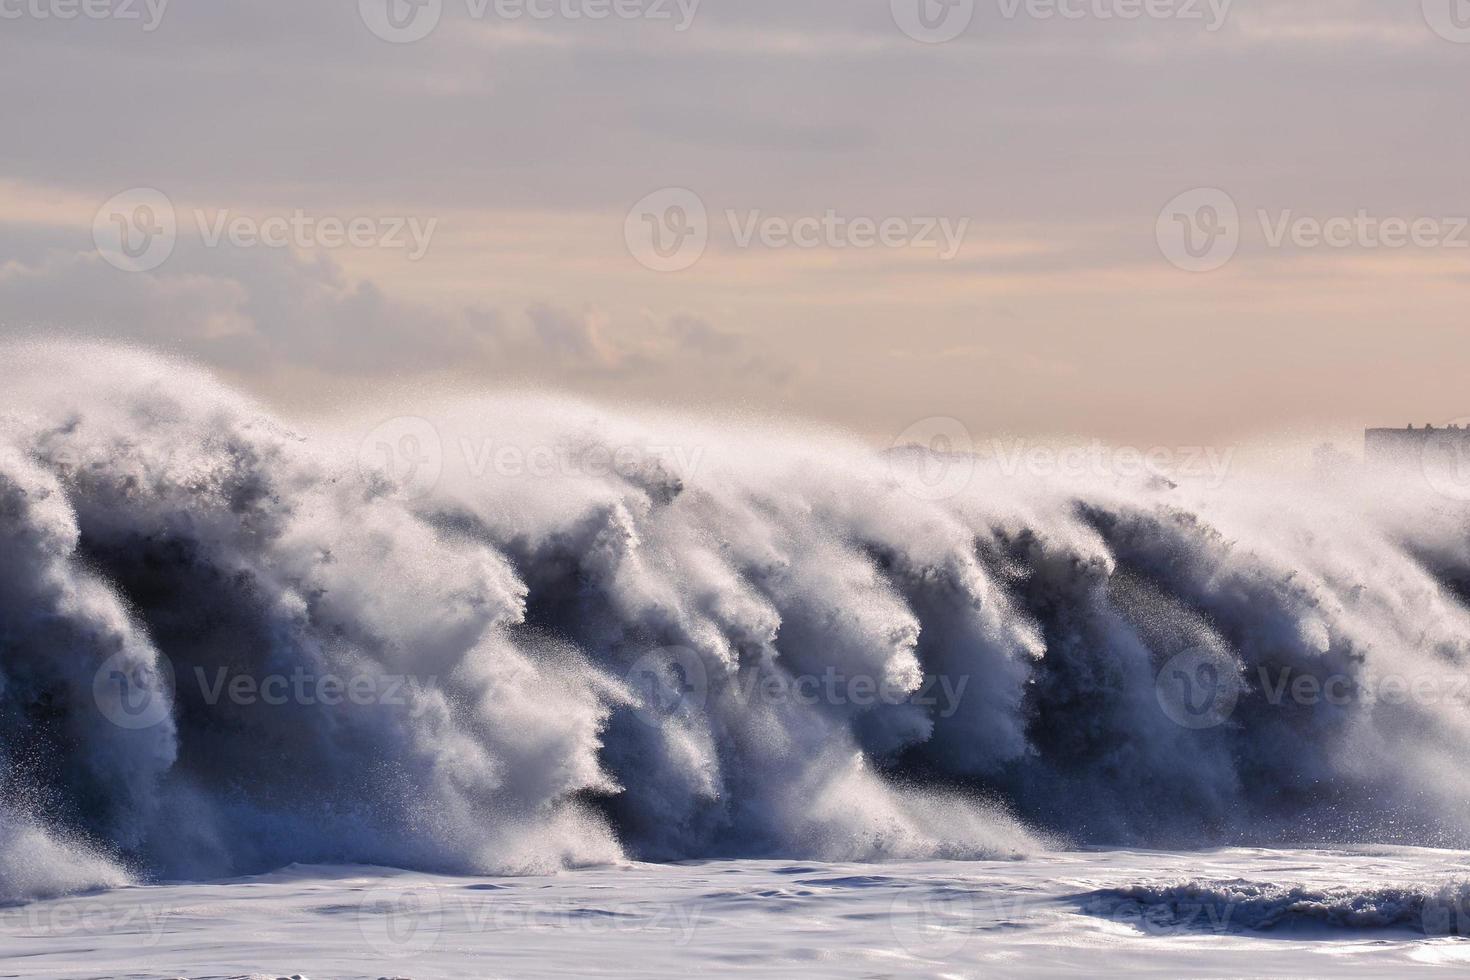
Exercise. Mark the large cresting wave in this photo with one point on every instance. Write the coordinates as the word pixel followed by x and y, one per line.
pixel 516 632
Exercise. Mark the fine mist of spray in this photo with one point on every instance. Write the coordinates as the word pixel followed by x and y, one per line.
pixel 566 636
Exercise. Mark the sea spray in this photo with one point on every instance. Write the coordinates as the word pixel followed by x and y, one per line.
pixel 574 645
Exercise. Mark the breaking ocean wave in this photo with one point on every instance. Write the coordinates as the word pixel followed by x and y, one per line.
pixel 1240 905
pixel 514 633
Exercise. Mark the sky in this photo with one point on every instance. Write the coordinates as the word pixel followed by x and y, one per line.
pixel 1161 222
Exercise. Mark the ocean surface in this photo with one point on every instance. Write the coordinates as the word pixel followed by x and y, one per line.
pixel 1381 912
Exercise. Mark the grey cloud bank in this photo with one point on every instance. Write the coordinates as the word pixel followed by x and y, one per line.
pixel 1049 135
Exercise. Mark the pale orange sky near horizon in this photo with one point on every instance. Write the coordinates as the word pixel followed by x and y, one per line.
pixel 1057 144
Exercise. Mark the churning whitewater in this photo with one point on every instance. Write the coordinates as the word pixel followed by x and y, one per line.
pixel 569 636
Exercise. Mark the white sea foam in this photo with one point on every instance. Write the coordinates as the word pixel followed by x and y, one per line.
pixel 588 635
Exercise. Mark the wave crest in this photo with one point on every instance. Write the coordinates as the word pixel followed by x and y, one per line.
pixel 879 673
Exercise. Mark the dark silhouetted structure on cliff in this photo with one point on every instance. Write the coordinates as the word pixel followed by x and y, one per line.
pixel 1394 447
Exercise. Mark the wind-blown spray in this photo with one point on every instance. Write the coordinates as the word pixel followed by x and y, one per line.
pixel 227 644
